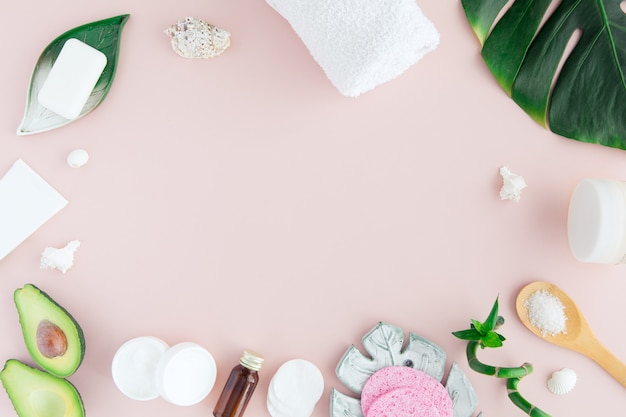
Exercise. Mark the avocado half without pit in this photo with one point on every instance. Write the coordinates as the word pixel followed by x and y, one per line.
pixel 53 338
pixel 36 393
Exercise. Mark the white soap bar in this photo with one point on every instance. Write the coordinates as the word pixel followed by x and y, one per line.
pixel 27 201
pixel 72 79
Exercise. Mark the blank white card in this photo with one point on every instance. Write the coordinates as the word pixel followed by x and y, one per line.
pixel 27 201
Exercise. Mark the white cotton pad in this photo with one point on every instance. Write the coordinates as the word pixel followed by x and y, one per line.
pixel 72 78
pixel 186 374
pixel 27 201
pixel 295 388
pixel 134 367
pixel 281 410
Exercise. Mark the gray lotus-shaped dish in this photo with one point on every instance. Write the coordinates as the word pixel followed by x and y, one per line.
pixel 385 346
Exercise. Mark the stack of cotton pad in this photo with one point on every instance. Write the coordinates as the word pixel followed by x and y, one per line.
pixel 295 389
pixel 406 392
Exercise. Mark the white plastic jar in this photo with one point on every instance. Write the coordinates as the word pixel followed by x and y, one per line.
pixel 596 221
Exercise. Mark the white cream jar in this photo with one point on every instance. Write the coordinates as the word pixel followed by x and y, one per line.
pixel 596 221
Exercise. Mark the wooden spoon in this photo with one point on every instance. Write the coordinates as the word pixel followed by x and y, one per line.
pixel 578 336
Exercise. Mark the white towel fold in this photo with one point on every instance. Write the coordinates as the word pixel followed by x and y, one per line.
pixel 360 44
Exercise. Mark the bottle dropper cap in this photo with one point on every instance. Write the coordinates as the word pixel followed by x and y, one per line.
pixel 251 360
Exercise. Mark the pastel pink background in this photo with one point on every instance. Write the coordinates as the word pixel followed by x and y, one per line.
pixel 242 202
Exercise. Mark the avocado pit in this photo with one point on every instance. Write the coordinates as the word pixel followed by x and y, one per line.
pixel 51 340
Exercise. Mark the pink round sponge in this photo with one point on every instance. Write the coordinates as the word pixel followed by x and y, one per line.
pixel 404 391
pixel 410 402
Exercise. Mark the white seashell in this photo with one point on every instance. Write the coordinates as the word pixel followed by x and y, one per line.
pixel 562 381
pixel 77 158
pixel 512 185
pixel 61 259
pixel 194 38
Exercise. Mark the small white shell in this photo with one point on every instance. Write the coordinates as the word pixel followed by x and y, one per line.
pixel 194 38
pixel 77 158
pixel 512 185
pixel 562 381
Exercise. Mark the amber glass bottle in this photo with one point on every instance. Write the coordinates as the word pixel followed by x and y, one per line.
pixel 239 387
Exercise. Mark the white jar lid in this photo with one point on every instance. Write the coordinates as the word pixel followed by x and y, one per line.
pixel 146 367
pixel 596 222
pixel 134 367
pixel 186 374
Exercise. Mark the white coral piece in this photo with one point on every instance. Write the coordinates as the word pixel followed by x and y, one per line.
pixel 562 381
pixel 61 259
pixel 512 185
pixel 194 38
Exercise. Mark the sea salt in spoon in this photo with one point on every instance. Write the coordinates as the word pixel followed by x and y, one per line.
pixel 578 336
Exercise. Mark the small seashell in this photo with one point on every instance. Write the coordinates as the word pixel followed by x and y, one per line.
pixel 562 381
pixel 61 259
pixel 512 185
pixel 194 38
pixel 77 158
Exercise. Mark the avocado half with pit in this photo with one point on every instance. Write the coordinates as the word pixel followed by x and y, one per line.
pixel 36 393
pixel 53 338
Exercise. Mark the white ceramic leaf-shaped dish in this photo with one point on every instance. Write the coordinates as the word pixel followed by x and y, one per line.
pixel 385 346
pixel 103 35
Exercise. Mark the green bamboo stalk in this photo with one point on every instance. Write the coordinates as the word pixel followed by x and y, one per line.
pixel 498 372
pixel 483 334
pixel 521 402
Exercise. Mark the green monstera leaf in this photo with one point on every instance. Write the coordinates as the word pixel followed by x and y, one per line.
pixel 584 100
pixel 103 35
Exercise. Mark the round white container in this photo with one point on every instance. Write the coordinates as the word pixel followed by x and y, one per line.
pixel 596 221
pixel 186 374
pixel 145 368
pixel 134 367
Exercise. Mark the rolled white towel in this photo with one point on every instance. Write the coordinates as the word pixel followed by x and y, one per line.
pixel 360 44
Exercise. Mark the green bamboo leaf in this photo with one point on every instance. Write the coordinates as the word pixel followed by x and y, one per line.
pixel 103 35
pixel 586 99
pixel 492 319
pixel 479 327
pixel 491 340
pixel 469 334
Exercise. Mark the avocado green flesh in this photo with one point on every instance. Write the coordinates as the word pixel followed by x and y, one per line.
pixel 36 393
pixel 37 311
